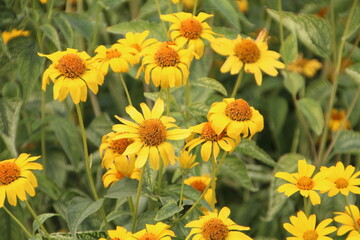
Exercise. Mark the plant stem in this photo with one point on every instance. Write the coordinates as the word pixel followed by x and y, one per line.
pixel 182 188
pixel 31 210
pixel 307 206
pixel 351 213
pixel 281 28
pixel 137 200
pixel 237 84
pixel 187 99
pixel 168 99
pixel 159 12
pixel 43 137
pixel 160 174
pixel 213 182
pixel 131 204
pixel 125 89
pixel 195 7
pixel 18 222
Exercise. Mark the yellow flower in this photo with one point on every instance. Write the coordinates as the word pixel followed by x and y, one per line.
pixel 336 119
pixel 43 1
pixel 159 231
pixel 166 64
pixel 72 72
pixel 304 228
pixel 254 56
pixel 200 183
pixel 17 179
pixel 242 5
pixel 303 182
pixel 347 220
pixel 150 133
pixel 308 67
pixel 341 180
pixel 117 57
pixel 119 234
pixel 187 160
pixel 189 29
pixel 236 117
pixel 211 142
pixel 216 226
pixel 14 33
pixel 175 1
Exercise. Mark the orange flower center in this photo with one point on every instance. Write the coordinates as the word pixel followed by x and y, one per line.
pixel 149 236
pixel 247 51
pixel 341 183
pixel 214 229
pixel 152 132
pixel 71 65
pixel 238 110
pixel 119 146
pixel 190 28
pixel 9 172
pixel 305 183
pixel 198 185
pixel 166 56
pixel 337 115
pixel 310 235
pixel 358 222
pixel 113 53
pixel 209 134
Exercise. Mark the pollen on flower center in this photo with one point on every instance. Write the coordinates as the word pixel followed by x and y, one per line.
pixel 209 134
pixel 305 183
pixel 166 56
pixel 152 132
pixel 9 172
pixel 238 110
pixel 310 235
pixel 71 65
pixel 190 28
pixel 119 146
pixel 148 236
pixel 198 185
pixel 214 229
pixel 341 183
pixel 247 51
pixel 112 53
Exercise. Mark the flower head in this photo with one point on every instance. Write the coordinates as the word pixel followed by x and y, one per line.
pixel 17 179
pixel 347 218
pixel 236 117
pixel 254 56
pixel 119 234
pixel 308 67
pixel 216 226
pixel 159 231
pixel 200 183
pixel 72 72
pixel 336 119
pixel 304 228
pixel 187 160
pixel 122 167
pixel 242 5
pixel 14 33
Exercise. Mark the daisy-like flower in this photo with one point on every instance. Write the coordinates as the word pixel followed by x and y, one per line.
pixel 120 169
pixel 119 234
pixel 308 67
pixel 254 56
pixel 187 160
pixel 236 117
pixel 341 180
pixel 200 183
pixel 17 179
pixel 303 181
pixel 336 119
pixel 304 228
pixel 14 33
pixel 190 30
pixel 216 226
pixel 211 142
pixel 150 133
pixel 72 72
pixel 166 64
pixel 347 218
pixel 160 231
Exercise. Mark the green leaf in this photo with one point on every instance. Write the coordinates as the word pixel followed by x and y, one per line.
pixel 210 83
pixel 289 50
pixel 167 211
pixel 227 10
pixel 42 217
pixel 348 142
pixel 313 31
pixel 152 95
pixel 318 90
pixel 80 23
pixel 355 23
pixel 278 111
pixel 78 210
pixel 113 3
pixel 149 8
pixel 293 82
pixel 100 126
pixel 250 148
pixel 11 90
pixel 87 235
pixel 9 229
pixel 198 109
pixel 235 169
pixel 51 33
pixel 37 237
pixel 65 27
pixel 313 114
pixel 126 187
pixel 354 72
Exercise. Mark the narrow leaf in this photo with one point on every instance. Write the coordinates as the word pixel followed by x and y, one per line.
pixel 212 84
pixel 51 33
pixel 43 217
pixel 227 10
pixel 167 211
pixel 313 114
pixel 80 23
pixel 250 148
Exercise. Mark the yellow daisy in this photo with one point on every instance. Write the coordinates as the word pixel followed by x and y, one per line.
pixel 216 226
pixel 160 231
pixel 200 183
pixel 304 228
pixel 187 160
pixel 347 220
pixel 72 72
pixel 242 5
pixel 211 142
pixel 236 117
pixel 14 33
pixel 150 133
pixel 119 234
pixel 341 180
pixel 254 56
pixel 336 119
pixel 303 181
pixel 166 64
pixel 189 29
pixel 17 179
pixel 308 67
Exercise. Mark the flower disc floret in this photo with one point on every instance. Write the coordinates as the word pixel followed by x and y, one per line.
pixel 238 110
pixel 119 146
pixel 209 134
pixel 71 65
pixel 247 51
pixel 190 28
pixel 166 56
pixel 149 236
pixel 9 172
pixel 152 132
pixel 214 229
pixel 198 185
pixel 310 235
pixel 305 183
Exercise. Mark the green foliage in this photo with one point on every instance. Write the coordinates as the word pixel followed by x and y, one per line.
pixel 313 114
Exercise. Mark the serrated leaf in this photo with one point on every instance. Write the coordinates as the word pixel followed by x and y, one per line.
pixel 126 187
pixel 250 148
pixel 234 168
pixel 98 127
pixel 311 30
pixel 42 217
pixel 168 210
pixel 80 23
pixel 227 10
pixel 210 83
pixel 289 50
pixel 293 82
pixel 278 110
pixel 87 235
pixel 354 72
pixel 348 142
pixel 198 109
pixel 313 114
pixel 51 33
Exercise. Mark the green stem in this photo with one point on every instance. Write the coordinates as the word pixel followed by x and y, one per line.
pixel 333 29
pixel 159 12
pixel 95 104
pixel 213 182
pixel 170 6
pixel 237 84
pixel 187 98
pixel 125 89
pixel 182 189
pixel 50 10
pixel 43 135
pixel 137 200
pixel 195 7
pixel 31 210
pixel 18 222
pixel 160 174
pixel 281 28
pixel 131 204
pixel 351 213
pixel 307 206
pixel 168 99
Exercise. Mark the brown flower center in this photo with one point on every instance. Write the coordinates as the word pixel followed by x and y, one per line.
pixel 9 172
pixel 198 185
pixel 310 235
pixel 149 236
pixel 112 53
pixel 209 134
pixel 166 56
pixel 341 183
pixel 152 132
pixel 214 229
pixel 190 28
pixel 305 183
pixel 238 110
pixel 119 146
pixel 337 115
pixel 247 51
pixel 71 65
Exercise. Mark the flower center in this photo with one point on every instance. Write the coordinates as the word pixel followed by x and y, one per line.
pixel 71 65
pixel 119 146
pixel 358 222
pixel 9 172
pixel 214 229
pixel 310 235
pixel 209 134
pixel 152 132
pixel 198 185
pixel 166 56
pixel 247 51
pixel 149 236
pixel 238 110
pixel 190 28
pixel 119 175
pixel 337 116
pixel 113 53
pixel 305 183
pixel 341 183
